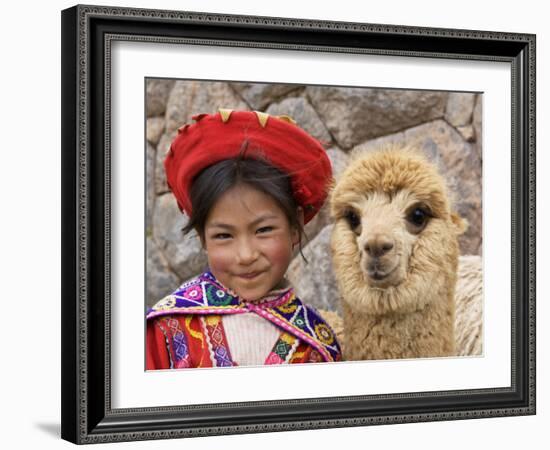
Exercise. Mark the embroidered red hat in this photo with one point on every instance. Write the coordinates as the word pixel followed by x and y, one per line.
pixel 277 139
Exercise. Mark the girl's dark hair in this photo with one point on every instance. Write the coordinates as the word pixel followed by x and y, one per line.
pixel 209 185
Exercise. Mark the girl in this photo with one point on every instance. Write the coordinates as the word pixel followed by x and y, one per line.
pixel 249 182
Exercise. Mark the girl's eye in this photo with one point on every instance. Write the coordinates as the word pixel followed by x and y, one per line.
pixel 222 236
pixel 265 229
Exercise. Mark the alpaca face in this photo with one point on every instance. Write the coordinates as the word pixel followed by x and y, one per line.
pixel 386 228
pixel 394 241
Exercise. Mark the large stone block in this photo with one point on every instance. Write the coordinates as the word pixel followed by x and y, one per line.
pixel 459 109
pixel 154 129
pixel 189 98
pixel 305 116
pixel 157 92
pixel 353 115
pixel 260 95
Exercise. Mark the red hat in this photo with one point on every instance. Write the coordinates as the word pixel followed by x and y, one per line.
pixel 217 137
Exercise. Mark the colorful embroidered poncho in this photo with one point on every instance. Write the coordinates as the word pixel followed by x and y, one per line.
pixel 185 329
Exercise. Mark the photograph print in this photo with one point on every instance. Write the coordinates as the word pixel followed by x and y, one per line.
pixel 291 224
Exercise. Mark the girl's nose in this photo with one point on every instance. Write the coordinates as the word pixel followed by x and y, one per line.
pixel 247 253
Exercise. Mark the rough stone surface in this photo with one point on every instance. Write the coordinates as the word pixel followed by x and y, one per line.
pixel 154 130
pixel 459 108
pixel 260 95
pixel 354 115
pixel 161 281
pixel 305 116
pixel 320 221
pixel 189 98
pixel 314 282
pixel 156 96
pixel 150 188
pixel 477 123
pixel 467 132
pixel 160 175
pixel 458 162
pixel 184 253
pixel 339 161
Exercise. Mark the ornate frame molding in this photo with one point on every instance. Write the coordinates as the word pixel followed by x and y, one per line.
pixel 87 416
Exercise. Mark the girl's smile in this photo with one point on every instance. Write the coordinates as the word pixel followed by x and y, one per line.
pixel 250 276
pixel 249 241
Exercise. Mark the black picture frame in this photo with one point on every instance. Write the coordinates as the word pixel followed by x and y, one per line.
pixel 87 415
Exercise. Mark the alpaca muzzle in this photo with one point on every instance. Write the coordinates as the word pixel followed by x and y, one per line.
pixel 381 271
pixel 379 245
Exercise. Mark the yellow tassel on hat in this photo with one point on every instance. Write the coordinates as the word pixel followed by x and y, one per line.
pixel 287 119
pixel 262 118
pixel 225 113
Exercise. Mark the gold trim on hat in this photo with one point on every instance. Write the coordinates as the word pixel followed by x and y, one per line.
pixel 225 113
pixel 287 119
pixel 262 118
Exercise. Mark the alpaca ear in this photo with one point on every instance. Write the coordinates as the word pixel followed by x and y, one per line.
pixel 460 224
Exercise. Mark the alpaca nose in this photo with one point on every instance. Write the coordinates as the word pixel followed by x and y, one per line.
pixel 378 245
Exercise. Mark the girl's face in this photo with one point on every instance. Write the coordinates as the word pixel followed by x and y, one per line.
pixel 249 241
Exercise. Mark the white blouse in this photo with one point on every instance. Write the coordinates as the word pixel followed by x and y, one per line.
pixel 251 337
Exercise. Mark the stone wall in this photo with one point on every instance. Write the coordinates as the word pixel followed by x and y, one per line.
pixel 446 125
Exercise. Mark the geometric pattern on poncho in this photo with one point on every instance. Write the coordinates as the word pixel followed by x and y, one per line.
pixel 205 295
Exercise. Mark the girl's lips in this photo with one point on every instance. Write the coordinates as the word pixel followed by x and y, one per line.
pixel 249 276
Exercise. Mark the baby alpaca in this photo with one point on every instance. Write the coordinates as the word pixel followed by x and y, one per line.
pixel 395 255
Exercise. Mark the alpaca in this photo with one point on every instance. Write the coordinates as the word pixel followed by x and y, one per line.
pixel 469 306
pixel 395 256
pixel 468 310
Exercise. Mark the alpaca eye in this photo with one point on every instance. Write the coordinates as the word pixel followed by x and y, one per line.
pixel 353 219
pixel 417 219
